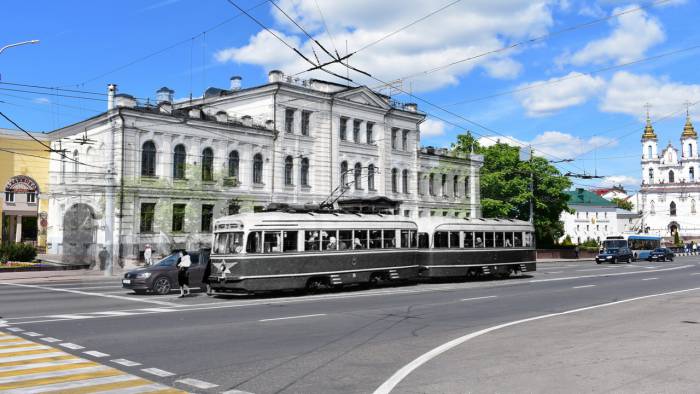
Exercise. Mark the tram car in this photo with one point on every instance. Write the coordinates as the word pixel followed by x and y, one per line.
pixel 283 250
pixel 473 247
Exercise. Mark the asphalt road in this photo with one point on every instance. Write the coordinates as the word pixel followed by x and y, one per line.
pixel 355 341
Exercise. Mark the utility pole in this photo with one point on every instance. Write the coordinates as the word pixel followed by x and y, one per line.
pixel 109 186
pixel 18 44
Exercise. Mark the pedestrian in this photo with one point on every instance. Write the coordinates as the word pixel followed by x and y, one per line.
pixel 206 275
pixel 183 278
pixel 103 256
pixel 576 250
pixel 147 252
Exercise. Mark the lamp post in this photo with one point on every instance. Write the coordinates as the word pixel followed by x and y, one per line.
pixel 18 44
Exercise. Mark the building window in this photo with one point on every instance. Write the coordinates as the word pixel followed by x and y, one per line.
pixel 356 131
pixel 76 166
pixel 394 136
pixel 649 151
pixel 394 180
pixel 455 186
pixel 288 170
pixel 257 168
pixel 233 164
pixel 671 177
pixel 207 216
pixel 370 133
pixel 148 159
pixel 207 165
pixel 179 217
pixel 304 175
pixel 690 150
pixel 344 174
pixel 431 184
pixel 9 197
pixel 234 208
pixel 404 140
pixel 358 176
pixel 419 186
pixel 691 174
pixel 289 120
pixel 672 209
pixel 31 198
pixel 692 207
pixel 404 181
pixel 147 215
pixel 466 186
pixel 652 211
pixel 370 177
pixel 651 175
pixel 305 120
pixel 179 158
pixel 343 129
pixel 443 185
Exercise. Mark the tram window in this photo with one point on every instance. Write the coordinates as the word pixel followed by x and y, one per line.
pixel 509 240
pixel 235 243
pixel 359 239
pixel 254 244
pixel 344 239
pixel 468 239
pixel 313 241
pixel 273 242
pixel 328 240
pixel 479 240
pixel 407 239
pixel 454 239
pixel 517 240
pixel 389 240
pixel 440 239
pixel 290 241
pixel 528 239
pixel 423 241
pixel 220 241
pixel 375 239
pixel 499 239
pixel 488 237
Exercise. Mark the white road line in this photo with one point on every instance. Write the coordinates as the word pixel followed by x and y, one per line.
pixel 67 386
pixel 32 334
pixel 478 298
pixel 158 372
pixel 33 356
pixel 73 346
pixel 15 343
pixel 50 339
pixel 52 374
pixel 650 278
pixel 70 317
pixel 135 299
pixel 15 329
pixel 114 313
pixel 157 310
pixel 126 363
pixel 89 288
pixel 694 273
pixel 583 287
pixel 41 365
pixel 555 272
pixel 95 353
pixel 293 317
pixel 155 387
pixel 236 392
pixel 612 274
pixel 24 349
pixel 197 383
pixel 397 377
pixel 594 269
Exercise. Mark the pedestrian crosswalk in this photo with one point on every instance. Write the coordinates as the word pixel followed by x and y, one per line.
pixel 32 367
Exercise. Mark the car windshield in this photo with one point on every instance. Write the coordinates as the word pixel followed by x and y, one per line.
pixel 660 250
pixel 616 243
pixel 611 251
pixel 168 261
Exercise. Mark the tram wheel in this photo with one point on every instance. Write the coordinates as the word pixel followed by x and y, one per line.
pixel 315 285
pixel 374 279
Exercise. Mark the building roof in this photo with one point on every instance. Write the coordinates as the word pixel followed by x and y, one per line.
pixel 584 197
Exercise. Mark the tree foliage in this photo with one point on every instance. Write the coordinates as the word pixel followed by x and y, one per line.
pixel 622 203
pixel 505 187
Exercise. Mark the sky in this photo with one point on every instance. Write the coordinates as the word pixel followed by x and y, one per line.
pixel 571 78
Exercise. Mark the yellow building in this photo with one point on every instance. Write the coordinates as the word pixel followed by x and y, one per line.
pixel 24 172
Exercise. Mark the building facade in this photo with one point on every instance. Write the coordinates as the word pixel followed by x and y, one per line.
pixel 594 218
pixel 670 190
pixel 170 169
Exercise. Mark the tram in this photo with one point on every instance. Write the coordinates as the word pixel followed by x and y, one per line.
pixel 472 247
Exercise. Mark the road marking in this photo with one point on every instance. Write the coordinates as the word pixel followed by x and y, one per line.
pixel 114 313
pixel 650 278
pixel 24 348
pixel 694 273
pixel 72 346
pixel 583 287
pixel 20 367
pixel 236 392
pixel 158 372
pixel 197 383
pixel 157 310
pixel 15 329
pixel 135 299
pixel 478 298
pixel 71 317
pixel 126 363
pixel 293 317
pixel 61 370
pixel 603 275
pixel 555 272
pixel 50 339
pixel 401 374
pixel 32 334
pixel 594 269
pixel 95 353
pixel 89 288
pixel 13 359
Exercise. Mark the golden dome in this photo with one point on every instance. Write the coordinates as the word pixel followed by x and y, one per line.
pixel 648 130
pixel 689 130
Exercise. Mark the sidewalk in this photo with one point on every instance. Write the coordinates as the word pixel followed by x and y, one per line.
pixel 82 274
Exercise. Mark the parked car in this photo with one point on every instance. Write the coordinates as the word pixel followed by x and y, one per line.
pixel 161 277
pixel 614 255
pixel 661 254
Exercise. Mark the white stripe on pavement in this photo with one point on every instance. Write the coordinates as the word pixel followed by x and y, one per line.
pixel 583 287
pixel 15 329
pixel 24 349
pixel 72 346
pixel 70 317
pixel 114 313
pixel 67 386
pixel 158 372
pixel 292 317
pixel 650 278
pixel 50 339
pixel 33 356
pixel 41 365
pixel 95 353
pixel 125 362
pixel 136 390
pixel 32 334
pixel 478 298
pixel 135 299
pixel 197 383
pixel 53 374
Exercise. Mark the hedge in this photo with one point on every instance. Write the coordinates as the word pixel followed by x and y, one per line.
pixel 17 252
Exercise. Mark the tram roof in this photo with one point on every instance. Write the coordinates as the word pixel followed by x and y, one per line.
pixel 315 220
pixel 435 223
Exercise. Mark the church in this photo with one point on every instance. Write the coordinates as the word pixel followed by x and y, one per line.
pixel 670 192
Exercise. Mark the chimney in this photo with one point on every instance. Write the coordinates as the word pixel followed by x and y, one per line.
pixel 111 91
pixel 275 76
pixel 164 94
pixel 247 120
pixel 270 124
pixel 222 117
pixel 235 83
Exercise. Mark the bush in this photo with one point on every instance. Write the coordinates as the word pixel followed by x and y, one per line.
pixel 17 252
pixel 567 241
pixel 590 242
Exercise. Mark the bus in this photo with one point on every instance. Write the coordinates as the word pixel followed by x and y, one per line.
pixel 473 247
pixel 640 244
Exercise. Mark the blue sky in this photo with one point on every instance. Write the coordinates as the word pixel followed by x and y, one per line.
pixel 594 115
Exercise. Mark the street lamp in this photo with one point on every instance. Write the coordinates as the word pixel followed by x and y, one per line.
pixel 18 44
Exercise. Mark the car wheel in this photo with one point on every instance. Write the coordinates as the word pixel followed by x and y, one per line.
pixel 629 259
pixel 597 262
pixel 162 286
pixel 614 260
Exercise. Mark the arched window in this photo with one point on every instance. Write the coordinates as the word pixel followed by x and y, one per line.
pixel 691 174
pixel 649 152
pixel 358 176
pixel 431 184
pixel 344 173
pixel 76 166
pixel 233 162
pixel 652 210
pixel 466 186
pixel 207 164
pixel 148 159
pixel 370 177
pixel 443 185
pixel 404 181
pixel 692 207
pixel 672 208
pixel 671 177
pixel 304 175
pixel 394 180
pixel 651 175
pixel 455 186
pixel 690 150
pixel 179 157
pixel 257 168
pixel 288 171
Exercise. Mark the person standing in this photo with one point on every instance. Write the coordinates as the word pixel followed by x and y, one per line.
pixel 183 278
pixel 147 255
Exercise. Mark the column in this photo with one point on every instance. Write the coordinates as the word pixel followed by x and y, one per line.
pixel 18 229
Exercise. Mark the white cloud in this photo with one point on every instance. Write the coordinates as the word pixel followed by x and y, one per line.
pixel 633 34
pixel 553 144
pixel 41 100
pixel 575 89
pixel 628 93
pixel 466 29
pixel 432 128
pixel 623 180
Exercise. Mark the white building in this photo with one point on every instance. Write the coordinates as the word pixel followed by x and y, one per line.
pixel 593 218
pixel 670 190
pixel 174 167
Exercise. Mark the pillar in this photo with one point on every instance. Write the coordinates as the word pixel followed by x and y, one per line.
pixel 18 229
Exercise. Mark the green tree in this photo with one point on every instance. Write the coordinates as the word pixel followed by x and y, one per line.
pixel 677 239
pixel 505 184
pixel 624 204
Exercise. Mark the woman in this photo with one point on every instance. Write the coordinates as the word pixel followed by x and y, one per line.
pixel 183 278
